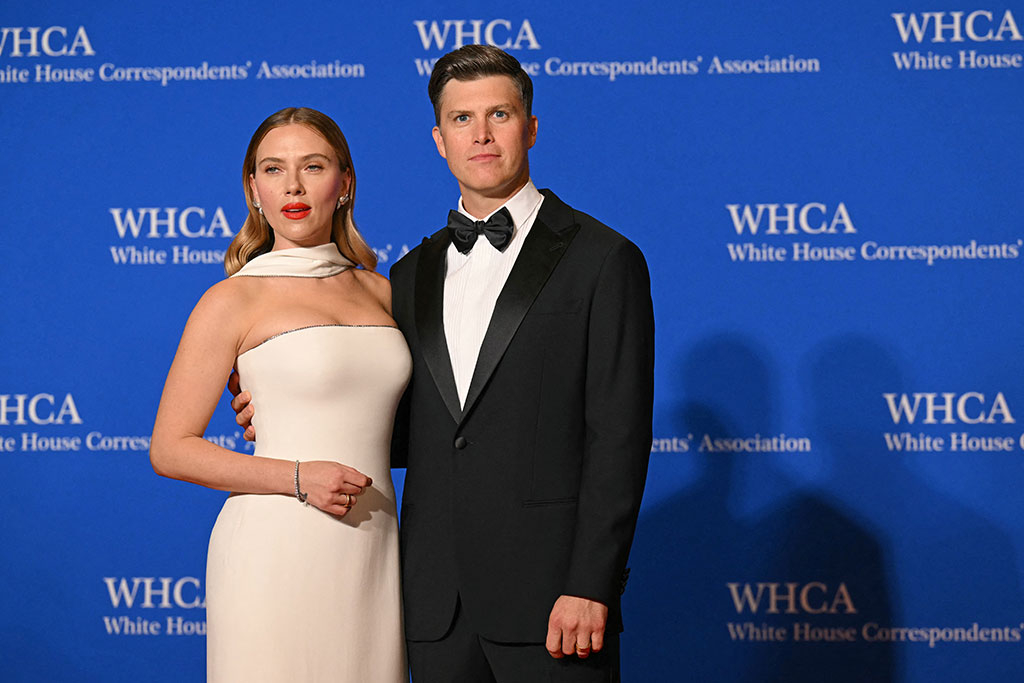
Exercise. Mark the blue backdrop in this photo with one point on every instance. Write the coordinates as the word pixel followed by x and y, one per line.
pixel 830 200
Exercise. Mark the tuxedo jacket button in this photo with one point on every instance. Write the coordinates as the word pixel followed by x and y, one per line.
pixel 460 442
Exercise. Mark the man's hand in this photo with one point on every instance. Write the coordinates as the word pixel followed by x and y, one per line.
pixel 576 625
pixel 240 404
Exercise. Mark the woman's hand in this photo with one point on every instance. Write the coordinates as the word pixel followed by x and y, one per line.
pixel 331 486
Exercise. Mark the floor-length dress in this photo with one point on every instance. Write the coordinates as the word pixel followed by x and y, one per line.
pixel 294 593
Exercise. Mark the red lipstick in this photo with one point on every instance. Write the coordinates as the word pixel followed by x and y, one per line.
pixel 296 210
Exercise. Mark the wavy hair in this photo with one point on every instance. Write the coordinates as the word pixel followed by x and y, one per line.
pixel 256 236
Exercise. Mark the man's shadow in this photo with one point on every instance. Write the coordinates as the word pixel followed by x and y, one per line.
pixel 746 518
pixel 954 567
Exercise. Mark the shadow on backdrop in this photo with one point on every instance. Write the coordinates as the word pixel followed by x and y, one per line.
pixel 949 566
pixel 746 520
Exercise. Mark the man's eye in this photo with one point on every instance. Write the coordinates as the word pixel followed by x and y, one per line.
pixel 501 114
pixel 462 118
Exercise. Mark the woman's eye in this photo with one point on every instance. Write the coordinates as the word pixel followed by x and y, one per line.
pixel 271 169
pixel 315 167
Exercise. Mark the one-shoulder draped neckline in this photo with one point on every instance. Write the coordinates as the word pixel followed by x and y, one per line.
pixel 320 261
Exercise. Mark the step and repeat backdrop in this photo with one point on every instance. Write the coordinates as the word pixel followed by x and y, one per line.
pixel 831 200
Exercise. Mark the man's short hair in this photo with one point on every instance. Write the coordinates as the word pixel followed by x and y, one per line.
pixel 471 62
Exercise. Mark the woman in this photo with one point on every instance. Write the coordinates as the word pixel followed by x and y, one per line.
pixel 302 576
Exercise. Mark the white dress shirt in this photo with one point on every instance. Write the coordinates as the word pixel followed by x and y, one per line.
pixel 474 280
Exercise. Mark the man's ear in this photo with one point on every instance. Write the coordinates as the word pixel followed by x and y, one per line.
pixel 439 141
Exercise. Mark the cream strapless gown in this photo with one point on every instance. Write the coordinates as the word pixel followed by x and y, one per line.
pixel 293 593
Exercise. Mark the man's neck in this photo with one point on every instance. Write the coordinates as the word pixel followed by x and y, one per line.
pixel 479 205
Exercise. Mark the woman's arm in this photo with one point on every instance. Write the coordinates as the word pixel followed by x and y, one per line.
pixel 205 356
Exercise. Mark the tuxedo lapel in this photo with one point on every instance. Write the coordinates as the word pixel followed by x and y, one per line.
pixel 429 307
pixel 547 241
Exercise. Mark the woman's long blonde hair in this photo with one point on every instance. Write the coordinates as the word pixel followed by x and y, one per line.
pixel 256 237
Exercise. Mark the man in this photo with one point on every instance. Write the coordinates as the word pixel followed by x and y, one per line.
pixel 526 428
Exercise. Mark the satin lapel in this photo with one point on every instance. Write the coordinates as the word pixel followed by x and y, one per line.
pixel 429 307
pixel 541 252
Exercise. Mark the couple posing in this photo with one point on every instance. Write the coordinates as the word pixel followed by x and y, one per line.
pixel 508 366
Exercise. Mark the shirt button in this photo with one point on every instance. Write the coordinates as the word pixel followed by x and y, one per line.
pixel 460 442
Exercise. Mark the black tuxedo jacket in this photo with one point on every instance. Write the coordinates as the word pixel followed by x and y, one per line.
pixel 532 490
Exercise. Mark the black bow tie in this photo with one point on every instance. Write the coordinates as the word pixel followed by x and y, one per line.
pixel 464 231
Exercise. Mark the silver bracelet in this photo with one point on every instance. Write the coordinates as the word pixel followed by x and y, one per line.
pixel 299 494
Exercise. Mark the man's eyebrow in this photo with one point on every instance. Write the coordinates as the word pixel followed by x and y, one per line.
pixel 495 107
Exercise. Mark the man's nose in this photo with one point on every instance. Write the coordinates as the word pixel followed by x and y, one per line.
pixel 482 131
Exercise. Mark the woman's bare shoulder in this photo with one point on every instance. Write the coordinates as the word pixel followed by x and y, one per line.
pixel 227 300
pixel 376 284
